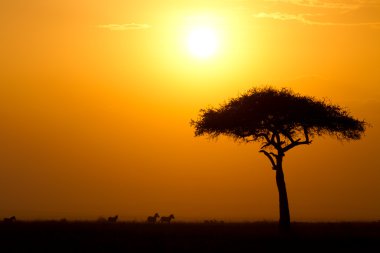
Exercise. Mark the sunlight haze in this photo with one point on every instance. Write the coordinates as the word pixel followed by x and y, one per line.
pixel 203 42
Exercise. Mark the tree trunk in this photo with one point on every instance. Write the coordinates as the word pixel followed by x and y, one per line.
pixel 283 197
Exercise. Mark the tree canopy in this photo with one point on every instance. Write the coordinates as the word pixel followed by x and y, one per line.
pixel 263 111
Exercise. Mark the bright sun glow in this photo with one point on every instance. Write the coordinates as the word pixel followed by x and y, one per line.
pixel 203 42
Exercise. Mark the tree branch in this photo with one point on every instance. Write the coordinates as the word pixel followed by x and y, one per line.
pixel 272 138
pixel 278 139
pixel 268 141
pixel 267 144
pixel 306 133
pixel 265 136
pixel 277 143
pixel 273 154
pixel 296 143
pixel 289 136
pixel 270 158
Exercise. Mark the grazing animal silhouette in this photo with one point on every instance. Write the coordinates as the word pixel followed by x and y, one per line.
pixel 10 219
pixel 153 219
pixel 166 219
pixel 113 219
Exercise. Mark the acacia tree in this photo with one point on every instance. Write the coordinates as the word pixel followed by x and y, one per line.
pixel 280 120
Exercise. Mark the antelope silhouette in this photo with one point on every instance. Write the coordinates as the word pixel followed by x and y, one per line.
pixel 10 219
pixel 166 219
pixel 153 219
pixel 113 219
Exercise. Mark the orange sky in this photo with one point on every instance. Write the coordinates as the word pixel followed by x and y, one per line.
pixel 96 99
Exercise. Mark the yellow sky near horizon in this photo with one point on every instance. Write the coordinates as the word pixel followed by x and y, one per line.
pixel 96 99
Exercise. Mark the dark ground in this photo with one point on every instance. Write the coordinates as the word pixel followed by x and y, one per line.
pixel 188 237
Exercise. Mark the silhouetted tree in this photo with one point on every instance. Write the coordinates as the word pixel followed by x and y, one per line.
pixel 280 120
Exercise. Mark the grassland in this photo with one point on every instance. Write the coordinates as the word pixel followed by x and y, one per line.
pixel 54 236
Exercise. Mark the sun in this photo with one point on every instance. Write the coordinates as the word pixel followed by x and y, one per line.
pixel 202 42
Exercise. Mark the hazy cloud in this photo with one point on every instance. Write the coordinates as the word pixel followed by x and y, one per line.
pixel 284 16
pixel 123 27
pixel 330 4
pixel 305 18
